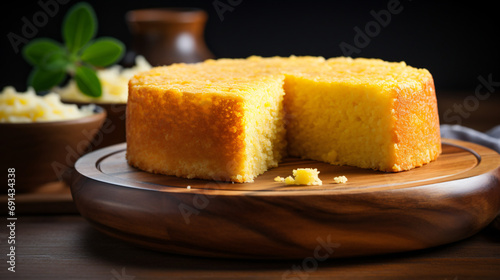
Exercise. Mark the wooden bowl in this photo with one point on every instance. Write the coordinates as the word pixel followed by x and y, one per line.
pixel 445 201
pixel 43 152
pixel 113 129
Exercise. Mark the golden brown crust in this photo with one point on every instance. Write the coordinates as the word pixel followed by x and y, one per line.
pixel 416 130
pixel 173 133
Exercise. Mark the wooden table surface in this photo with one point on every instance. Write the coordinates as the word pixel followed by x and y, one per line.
pixel 57 243
pixel 67 247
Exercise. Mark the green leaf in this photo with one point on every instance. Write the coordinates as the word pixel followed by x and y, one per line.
pixel 103 52
pixel 79 26
pixel 41 79
pixel 87 81
pixel 55 61
pixel 35 52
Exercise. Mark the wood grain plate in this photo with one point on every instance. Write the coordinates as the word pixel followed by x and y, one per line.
pixel 373 213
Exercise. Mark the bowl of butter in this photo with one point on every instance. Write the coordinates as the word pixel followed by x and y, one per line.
pixel 42 137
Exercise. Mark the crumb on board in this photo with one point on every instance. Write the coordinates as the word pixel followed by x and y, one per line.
pixel 302 176
pixel 279 179
pixel 188 187
pixel 340 180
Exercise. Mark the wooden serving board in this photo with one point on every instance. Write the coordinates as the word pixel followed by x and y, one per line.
pixel 445 201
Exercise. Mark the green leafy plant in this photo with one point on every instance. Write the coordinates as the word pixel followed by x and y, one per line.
pixel 78 57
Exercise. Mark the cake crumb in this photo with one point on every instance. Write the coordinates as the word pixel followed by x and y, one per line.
pixel 290 180
pixel 340 180
pixel 302 176
pixel 279 179
pixel 188 187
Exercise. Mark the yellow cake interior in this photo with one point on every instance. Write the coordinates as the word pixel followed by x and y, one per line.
pixel 233 119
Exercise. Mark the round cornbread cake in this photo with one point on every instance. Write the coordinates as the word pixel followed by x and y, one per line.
pixel 233 119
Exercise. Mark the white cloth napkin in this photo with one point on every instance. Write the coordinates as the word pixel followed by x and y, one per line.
pixel 490 138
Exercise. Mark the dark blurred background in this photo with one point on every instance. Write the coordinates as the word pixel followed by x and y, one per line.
pixel 456 41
